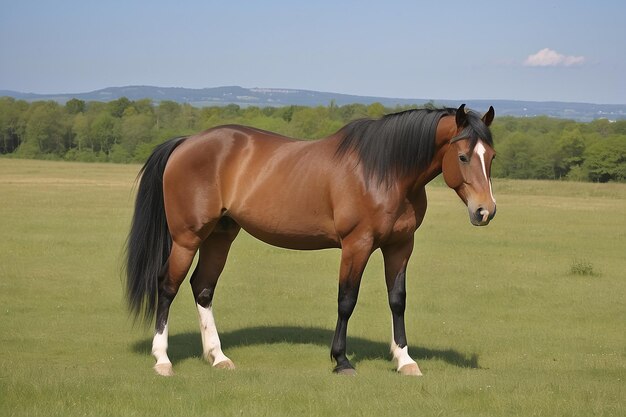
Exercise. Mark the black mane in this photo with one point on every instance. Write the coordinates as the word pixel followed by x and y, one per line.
pixel 399 143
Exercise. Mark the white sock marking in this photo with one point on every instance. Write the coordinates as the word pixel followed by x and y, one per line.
pixel 400 355
pixel 159 347
pixel 211 345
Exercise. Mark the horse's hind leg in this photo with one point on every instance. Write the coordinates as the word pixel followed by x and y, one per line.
pixel 213 253
pixel 175 270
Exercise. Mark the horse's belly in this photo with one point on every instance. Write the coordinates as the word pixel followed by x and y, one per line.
pixel 290 233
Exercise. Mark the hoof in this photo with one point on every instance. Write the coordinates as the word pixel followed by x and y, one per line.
pixel 349 372
pixel 164 369
pixel 344 371
pixel 410 369
pixel 227 364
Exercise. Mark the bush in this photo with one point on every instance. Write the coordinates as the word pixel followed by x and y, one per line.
pixel 577 173
pixel 119 155
pixel 582 267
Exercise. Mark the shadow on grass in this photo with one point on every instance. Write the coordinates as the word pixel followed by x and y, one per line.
pixel 188 345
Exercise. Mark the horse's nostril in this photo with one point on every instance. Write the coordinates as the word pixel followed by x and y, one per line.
pixel 482 214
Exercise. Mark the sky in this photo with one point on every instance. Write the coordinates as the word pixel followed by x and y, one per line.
pixel 518 50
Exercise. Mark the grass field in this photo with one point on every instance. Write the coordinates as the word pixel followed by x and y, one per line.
pixel 501 319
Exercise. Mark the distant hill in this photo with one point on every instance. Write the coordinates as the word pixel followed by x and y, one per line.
pixel 220 96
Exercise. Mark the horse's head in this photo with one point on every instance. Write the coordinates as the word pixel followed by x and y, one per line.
pixel 467 164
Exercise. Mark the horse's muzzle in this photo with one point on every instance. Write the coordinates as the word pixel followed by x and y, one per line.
pixel 481 216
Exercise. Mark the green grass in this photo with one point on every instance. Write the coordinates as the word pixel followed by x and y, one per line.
pixel 495 318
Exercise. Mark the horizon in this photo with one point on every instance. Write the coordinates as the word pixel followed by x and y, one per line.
pixel 522 52
pixel 435 99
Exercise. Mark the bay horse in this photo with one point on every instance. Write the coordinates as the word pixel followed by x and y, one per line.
pixel 359 190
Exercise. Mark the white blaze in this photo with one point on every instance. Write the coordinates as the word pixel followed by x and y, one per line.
pixel 480 151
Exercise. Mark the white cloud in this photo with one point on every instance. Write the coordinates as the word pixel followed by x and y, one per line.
pixel 550 58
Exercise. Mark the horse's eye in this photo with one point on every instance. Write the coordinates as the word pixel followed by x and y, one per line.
pixel 463 158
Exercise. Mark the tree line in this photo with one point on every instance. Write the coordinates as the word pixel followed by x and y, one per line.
pixel 125 131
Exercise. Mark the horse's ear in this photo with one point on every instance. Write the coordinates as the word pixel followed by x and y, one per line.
pixel 461 116
pixel 488 117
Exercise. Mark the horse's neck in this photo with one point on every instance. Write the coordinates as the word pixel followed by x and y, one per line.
pixel 445 131
pixel 415 186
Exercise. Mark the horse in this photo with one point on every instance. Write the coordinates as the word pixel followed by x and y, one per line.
pixel 359 190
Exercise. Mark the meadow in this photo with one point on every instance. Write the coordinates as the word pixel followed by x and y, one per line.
pixel 524 317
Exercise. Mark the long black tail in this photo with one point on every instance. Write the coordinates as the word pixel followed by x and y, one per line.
pixel 149 241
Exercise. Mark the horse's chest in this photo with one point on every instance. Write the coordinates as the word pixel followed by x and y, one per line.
pixel 405 223
pixel 399 224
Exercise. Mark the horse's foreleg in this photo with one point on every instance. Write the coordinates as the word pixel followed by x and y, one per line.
pixel 213 253
pixel 396 258
pixel 354 255
pixel 175 271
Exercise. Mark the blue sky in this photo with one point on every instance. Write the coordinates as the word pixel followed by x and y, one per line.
pixel 522 50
